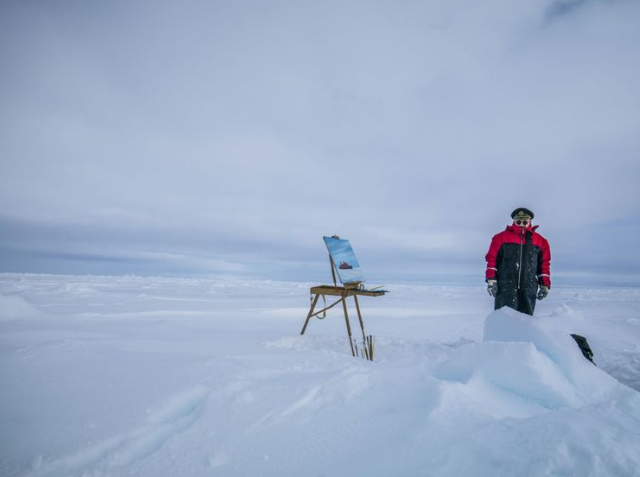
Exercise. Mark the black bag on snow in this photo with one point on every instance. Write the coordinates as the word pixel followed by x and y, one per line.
pixel 583 344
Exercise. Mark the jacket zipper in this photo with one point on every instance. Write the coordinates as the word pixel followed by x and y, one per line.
pixel 520 265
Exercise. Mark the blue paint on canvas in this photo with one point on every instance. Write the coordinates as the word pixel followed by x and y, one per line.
pixel 345 260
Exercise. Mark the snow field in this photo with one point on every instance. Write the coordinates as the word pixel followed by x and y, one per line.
pixel 114 376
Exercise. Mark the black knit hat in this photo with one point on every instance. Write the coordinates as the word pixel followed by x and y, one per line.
pixel 521 212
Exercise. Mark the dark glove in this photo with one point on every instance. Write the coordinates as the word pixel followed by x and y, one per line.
pixel 543 292
pixel 492 287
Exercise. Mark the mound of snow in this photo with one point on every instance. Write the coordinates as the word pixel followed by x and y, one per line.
pixel 230 388
pixel 521 369
pixel 16 308
pixel 558 348
pixel 510 373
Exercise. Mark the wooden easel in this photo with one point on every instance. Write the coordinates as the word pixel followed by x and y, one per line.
pixel 350 289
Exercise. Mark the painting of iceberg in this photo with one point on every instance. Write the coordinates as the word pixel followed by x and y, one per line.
pixel 345 260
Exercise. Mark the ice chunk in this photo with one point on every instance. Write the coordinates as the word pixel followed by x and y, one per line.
pixel 507 325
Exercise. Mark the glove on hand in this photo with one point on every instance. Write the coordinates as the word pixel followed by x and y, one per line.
pixel 492 287
pixel 543 292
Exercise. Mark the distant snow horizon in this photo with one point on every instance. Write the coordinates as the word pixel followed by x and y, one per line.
pixel 464 281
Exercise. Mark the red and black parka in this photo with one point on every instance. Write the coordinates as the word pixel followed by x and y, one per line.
pixel 519 258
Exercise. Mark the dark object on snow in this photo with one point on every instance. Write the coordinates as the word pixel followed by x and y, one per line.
pixel 521 211
pixel 584 347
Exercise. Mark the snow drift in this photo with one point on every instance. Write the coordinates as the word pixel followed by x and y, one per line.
pixel 163 377
pixel 16 308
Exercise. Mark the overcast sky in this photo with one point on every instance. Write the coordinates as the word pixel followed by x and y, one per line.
pixel 227 137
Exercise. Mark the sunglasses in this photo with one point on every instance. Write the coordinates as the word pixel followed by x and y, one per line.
pixel 522 222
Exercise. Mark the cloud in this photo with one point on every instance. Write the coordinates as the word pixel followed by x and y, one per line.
pixel 244 132
pixel 559 9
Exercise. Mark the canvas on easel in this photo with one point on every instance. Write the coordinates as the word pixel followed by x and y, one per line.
pixel 344 260
pixel 345 265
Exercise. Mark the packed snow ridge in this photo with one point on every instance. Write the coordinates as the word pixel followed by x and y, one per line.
pixel 114 376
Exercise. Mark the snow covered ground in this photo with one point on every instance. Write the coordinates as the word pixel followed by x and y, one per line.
pixel 115 376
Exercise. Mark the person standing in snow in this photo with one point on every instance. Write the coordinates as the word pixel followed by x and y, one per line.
pixel 518 264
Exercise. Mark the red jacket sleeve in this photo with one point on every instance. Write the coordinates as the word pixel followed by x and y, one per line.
pixel 491 258
pixel 544 266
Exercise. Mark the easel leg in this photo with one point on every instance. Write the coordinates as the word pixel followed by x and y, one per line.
pixel 313 306
pixel 346 318
pixel 355 297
